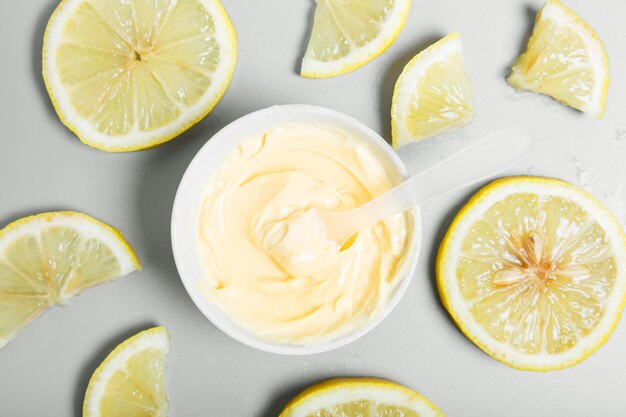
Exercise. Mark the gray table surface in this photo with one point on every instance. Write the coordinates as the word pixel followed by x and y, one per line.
pixel 45 369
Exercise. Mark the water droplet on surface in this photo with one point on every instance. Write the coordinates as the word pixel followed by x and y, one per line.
pixel 611 195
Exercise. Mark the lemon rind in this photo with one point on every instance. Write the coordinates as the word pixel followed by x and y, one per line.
pixel 154 338
pixel 313 68
pixel 342 390
pixel 90 136
pixel 562 15
pixel 451 299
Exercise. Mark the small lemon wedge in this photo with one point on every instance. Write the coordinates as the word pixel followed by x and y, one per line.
pixel 356 397
pixel 565 59
pixel 125 75
pixel 131 380
pixel 347 34
pixel 533 270
pixel 433 94
pixel 49 258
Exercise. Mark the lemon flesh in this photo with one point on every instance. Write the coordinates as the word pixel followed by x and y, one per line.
pixel 49 258
pixel 130 382
pixel 534 272
pixel 433 94
pixel 358 397
pixel 565 60
pixel 347 34
pixel 127 75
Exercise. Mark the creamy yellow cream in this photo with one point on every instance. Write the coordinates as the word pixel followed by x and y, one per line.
pixel 297 296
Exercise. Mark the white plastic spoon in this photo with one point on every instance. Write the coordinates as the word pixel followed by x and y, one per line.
pixel 466 167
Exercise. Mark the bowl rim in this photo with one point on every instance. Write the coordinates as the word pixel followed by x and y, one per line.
pixel 183 205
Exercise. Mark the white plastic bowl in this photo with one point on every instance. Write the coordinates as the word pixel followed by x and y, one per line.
pixel 188 201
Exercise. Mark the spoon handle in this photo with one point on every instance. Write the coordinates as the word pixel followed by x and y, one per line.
pixel 477 162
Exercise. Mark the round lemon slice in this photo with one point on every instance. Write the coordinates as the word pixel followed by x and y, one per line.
pixel 49 258
pixel 125 75
pixel 131 380
pixel 347 34
pixel 433 94
pixel 533 270
pixel 357 397
pixel 565 59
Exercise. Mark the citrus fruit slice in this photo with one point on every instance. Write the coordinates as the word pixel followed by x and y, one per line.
pixel 433 94
pixel 49 258
pixel 347 34
pixel 533 270
pixel 565 60
pixel 126 75
pixel 130 382
pixel 357 397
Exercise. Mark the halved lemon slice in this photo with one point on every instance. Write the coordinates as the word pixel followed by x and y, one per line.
pixel 348 34
pixel 131 380
pixel 127 74
pixel 433 94
pixel 357 397
pixel 51 257
pixel 565 59
pixel 533 270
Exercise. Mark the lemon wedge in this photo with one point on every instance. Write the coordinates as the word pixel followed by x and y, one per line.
pixel 433 95
pixel 131 380
pixel 533 270
pixel 51 257
pixel 125 75
pixel 565 59
pixel 347 34
pixel 357 397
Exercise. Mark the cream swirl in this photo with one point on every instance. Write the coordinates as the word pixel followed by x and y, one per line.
pixel 297 296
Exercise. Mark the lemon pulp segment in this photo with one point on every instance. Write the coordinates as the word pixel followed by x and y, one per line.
pixel 433 94
pixel 130 382
pixel 565 60
pixel 358 397
pixel 347 34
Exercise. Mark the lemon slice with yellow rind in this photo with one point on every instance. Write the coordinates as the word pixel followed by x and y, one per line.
pixel 49 258
pixel 347 34
pixel 130 382
pixel 433 94
pixel 357 397
pixel 565 59
pixel 129 74
pixel 533 270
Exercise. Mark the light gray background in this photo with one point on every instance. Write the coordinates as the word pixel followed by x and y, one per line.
pixel 44 370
